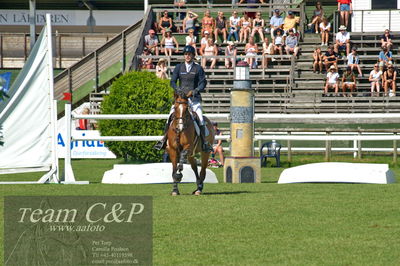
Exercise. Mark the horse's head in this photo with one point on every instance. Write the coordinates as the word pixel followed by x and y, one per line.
pixel 181 110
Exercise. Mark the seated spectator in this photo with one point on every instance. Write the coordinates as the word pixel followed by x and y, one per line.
pixel 317 55
pixel 276 22
pixel 375 78
pixel 317 17
pixel 220 27
pixel 332 80
pixel 169 41
pixel 230 50
pixel 84 124
pixel 342 40
pixel 353 61
pixel 181 5
pixel 146 61
pixel 268 49
pixel 234 26
pixel 290 22
pixel 386 40
pixel 291 43
pixel 389 81
pixel 204 40
pixel 191 40
pixel 208 52
pixel 245 29
pixel 258 26
pixel 217 146
pixel 278 42
pixel 190 21
pixel 151 42
pixel 385 57
pixel 255 3
pixel 165 23
pixel 161 69
pixel 330 58
pixel 207 23
pixel 325 29
pixel 348 81
pixel 251 50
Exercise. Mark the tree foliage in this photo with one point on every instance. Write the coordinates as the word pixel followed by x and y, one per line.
pixel 136 93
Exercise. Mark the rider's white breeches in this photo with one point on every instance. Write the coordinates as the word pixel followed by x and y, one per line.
pixel 196 107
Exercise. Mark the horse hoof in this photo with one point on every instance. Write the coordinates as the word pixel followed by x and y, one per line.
pixel 174 193
pixel 197 193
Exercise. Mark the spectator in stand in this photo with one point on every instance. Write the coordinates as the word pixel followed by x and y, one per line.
pixel 389 81
pixel 165 23
pixel 251 50
pixel 345 8
pixel 386 40
pixel 385 57
pixel 180 4
pixel 332 80
pixel 258 26
pixel 268 49
pixel 191 40
pixel 291 44
pixel 151 42
pixel 146 61
pixel 161 69
pixel 230 50
pixel 290 22
pixel 208 52
pixel 330 58
pixel 317 17
pixel 169 41
pixel 220 26
pixel 375 78
pixel 234 26
pixel 245 29
pixel 207 23
pixel 83 124
pixel 353 61
pixel 204 41
pixel 276 22
pixel 217 146
pixel 348 81
pixel 325 29
pixel 190 21
pixel 317 55
pixel 342 40
pixel 278 42
pixel 255 4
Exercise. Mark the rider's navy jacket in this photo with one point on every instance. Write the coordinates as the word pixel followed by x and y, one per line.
pixel 194 80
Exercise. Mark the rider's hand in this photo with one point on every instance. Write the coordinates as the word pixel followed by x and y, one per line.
pixel 190 94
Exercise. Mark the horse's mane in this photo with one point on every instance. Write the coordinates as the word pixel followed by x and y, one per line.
pixel 180 94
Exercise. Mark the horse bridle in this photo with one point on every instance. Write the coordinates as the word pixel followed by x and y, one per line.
pixel 181 119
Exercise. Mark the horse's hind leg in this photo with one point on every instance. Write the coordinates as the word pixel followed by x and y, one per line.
pixel 193 163
pixel 200 179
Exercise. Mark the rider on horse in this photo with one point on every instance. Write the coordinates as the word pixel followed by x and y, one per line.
pixel 192 81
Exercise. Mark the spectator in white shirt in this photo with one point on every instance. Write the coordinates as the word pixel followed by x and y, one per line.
pixel 191 40
pixel 332 80
pixel 375 78
pixel 342 40
pixel 353 61
pixel 324 28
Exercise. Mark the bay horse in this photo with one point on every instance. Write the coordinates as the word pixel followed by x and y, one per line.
pixel 183 143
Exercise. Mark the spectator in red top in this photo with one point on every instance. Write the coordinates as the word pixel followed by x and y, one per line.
pixel 83 124
pixel 345 8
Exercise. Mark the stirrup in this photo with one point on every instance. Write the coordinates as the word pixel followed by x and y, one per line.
pixel 160 145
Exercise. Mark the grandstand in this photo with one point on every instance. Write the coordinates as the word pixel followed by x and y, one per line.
pixel 287 85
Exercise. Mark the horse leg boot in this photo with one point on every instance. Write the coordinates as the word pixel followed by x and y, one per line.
pixel 161 143
pixel 206 147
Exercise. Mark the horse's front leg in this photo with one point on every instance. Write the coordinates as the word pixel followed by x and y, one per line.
pixel 176 177
pixel 200 180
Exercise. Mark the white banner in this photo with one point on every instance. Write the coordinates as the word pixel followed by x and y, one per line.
pixel 72 17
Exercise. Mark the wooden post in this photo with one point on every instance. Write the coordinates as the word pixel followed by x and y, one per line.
pixel 395 149
pixel 328 148
pixel 59 50
pixel 359 146
pixel 289 148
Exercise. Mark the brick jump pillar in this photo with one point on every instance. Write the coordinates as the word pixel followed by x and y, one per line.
pixel 242 166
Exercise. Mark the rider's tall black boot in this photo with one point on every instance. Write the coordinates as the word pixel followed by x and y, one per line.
pixel 161 143
pixel 206 147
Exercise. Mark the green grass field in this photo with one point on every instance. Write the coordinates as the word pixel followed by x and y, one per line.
pixel 256 224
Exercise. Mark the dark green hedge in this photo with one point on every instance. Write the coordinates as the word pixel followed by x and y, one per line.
pixel 136 93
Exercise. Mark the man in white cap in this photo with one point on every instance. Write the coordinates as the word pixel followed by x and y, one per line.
pixel 230 50
pixel 332 80
pixel 342 40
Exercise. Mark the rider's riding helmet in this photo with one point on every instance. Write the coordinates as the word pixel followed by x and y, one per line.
pixel 188 49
